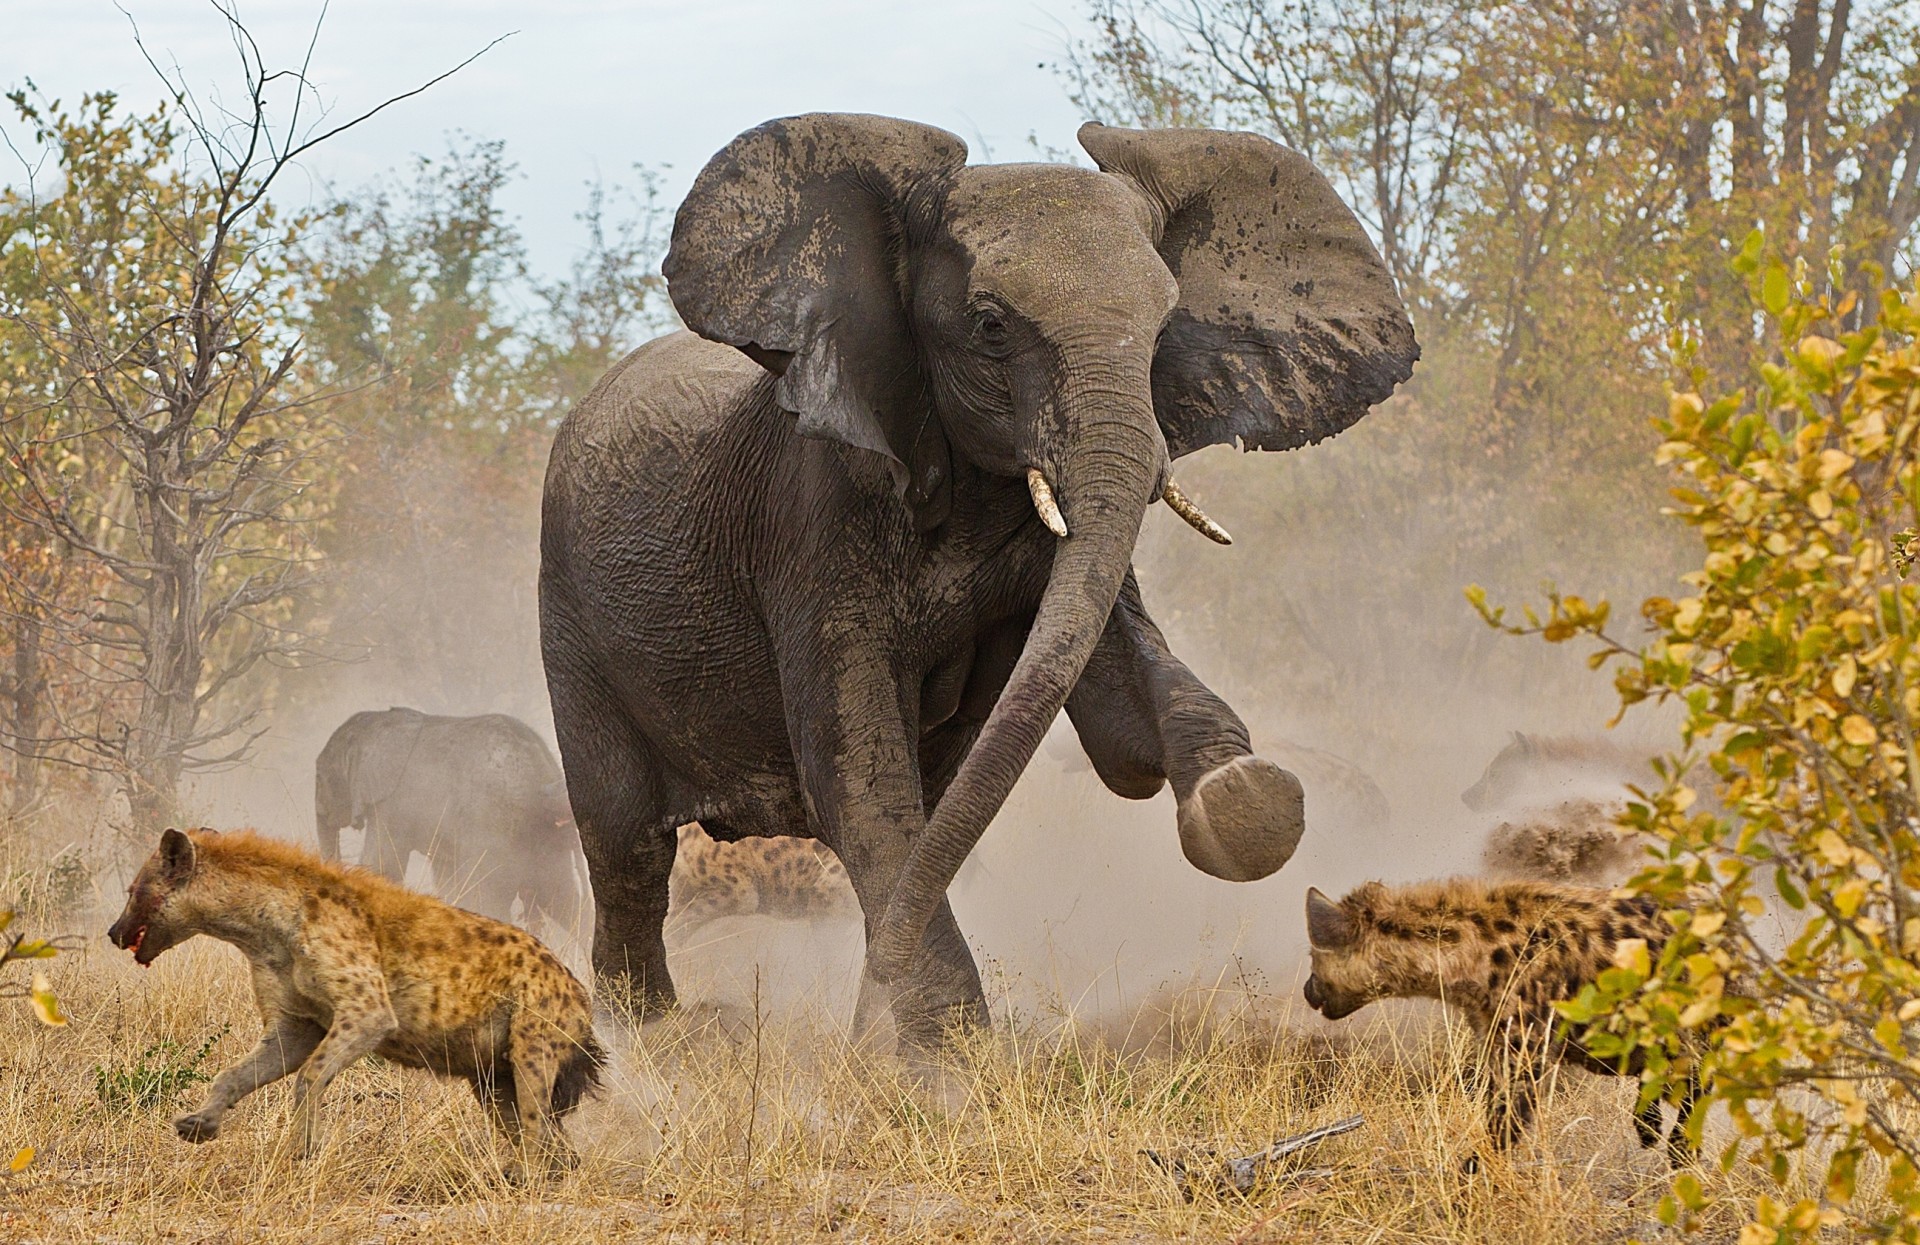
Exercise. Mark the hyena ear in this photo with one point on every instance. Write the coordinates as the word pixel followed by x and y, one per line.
pixel 176 854
pixel 1330 927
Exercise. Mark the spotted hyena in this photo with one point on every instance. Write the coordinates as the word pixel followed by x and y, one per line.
pixel 1500 953
pixel 346 963
pixel 1577 841
pixel 781 877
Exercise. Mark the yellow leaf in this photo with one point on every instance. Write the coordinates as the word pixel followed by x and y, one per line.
pixel 45 1005
pixel 1820 351
pixel 1706 924
pixel 1844 674
pixel 1821 503
pixel 1857 730
pixel 21 1158
pixel 1631 954
pixel 1834 463
pixel 1699 1012
pixel 1909 1010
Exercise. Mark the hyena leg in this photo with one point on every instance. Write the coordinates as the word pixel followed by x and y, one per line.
pixel 282 1049
pixel 1510 1103
pixel 1681 1151
pixel 1650 1125
pixel 495 1090
pixel 354 1035
pixel 537 1051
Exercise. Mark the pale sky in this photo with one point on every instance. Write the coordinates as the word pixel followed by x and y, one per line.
pixel 587 86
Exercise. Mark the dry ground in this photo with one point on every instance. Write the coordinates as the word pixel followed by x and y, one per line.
pixel 724 1124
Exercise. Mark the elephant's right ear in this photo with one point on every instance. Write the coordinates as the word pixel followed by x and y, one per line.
pixel 1288 326
pixel 787 248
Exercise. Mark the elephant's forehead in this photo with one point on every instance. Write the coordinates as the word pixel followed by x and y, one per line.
pixel 1029 228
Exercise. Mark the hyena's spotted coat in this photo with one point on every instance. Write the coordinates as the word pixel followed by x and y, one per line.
pixel 1500 953
pixel 1577 841
pixel 780 877
pixel 346 963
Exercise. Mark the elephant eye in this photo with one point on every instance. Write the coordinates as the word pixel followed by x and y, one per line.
pixel 990 329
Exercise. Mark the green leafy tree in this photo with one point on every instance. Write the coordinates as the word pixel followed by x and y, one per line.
pixel 1794 971
pixel 157 425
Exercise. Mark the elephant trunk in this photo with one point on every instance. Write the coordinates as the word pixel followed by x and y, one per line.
pixel 1104 470
pixel 332 809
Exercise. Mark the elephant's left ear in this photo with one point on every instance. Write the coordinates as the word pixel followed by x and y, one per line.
pixel 788 246
pixel 1288 326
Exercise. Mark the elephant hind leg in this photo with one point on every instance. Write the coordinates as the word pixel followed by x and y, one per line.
pixel 613 785
pixel 382 852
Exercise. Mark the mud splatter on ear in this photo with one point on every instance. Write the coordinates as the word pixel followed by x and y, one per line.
pixel 1330 927
pixel 177 854
pixel 1288 326
pixel 786 249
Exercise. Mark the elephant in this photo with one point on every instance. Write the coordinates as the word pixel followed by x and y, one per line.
pixel 830 561
pixel 480 797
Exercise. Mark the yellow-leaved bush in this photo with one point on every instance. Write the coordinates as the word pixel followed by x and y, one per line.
pixel 1793 885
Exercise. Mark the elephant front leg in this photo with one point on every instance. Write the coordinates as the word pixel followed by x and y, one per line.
pixel 612 784
pixel 1144 718
pixel 859 767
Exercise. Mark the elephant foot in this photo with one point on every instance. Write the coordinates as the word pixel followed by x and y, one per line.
pixel 1243 820
pixel 627 999
pixel 928 1022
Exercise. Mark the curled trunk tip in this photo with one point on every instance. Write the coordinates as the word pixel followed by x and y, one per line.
pixel 1196 518
pixel 1044 503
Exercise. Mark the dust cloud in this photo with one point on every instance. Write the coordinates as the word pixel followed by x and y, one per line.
pixel 1335 622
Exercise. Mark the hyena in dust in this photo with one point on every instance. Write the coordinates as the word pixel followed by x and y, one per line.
pixel 1502 954
pixel 346 963
pixel 779 877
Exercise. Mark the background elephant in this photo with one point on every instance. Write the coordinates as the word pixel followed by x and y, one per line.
pixel 482 798
pixel 841 564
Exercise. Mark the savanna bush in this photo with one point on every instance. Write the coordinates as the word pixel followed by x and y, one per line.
pixel 1794 658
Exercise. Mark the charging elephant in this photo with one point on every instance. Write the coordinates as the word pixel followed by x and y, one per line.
pixel 481 798
pixel 832 562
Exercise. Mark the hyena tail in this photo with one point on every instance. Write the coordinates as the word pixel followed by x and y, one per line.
pixel 579 1073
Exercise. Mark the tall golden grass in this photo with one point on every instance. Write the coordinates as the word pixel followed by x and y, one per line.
pixel 737 1122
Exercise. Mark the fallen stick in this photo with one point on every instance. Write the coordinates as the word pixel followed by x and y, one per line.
pixel 1242 1174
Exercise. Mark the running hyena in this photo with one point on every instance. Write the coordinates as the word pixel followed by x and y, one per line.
pixel 346 964
pixel 1503 954
pixel 783 877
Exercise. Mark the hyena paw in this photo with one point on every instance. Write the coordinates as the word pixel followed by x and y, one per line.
pixel 200 1126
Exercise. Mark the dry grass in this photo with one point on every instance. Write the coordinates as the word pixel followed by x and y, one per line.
pixel 727 1124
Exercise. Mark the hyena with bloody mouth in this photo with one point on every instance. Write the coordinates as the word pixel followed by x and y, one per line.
pixel 347 964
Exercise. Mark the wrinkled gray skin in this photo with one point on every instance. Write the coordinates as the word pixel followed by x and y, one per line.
pixel 791 579
pixel 480 797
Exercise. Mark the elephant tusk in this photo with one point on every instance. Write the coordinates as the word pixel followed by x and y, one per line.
pixel 1044 503
pixel 1183 506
